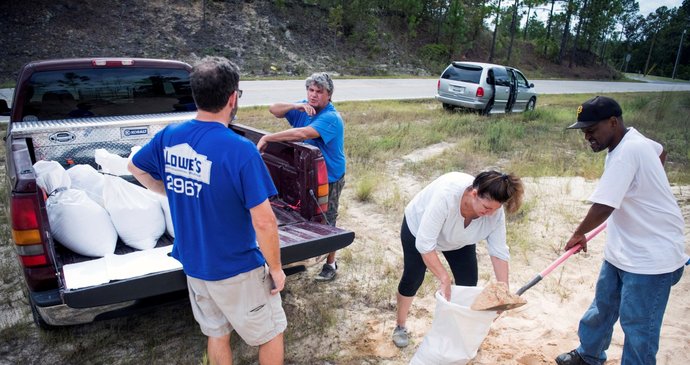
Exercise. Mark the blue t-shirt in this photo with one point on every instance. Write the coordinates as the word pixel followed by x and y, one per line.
pixel 212 177
pixel 330 126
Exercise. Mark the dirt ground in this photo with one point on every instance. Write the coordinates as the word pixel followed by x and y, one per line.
pixel 349 321
pixel 547 326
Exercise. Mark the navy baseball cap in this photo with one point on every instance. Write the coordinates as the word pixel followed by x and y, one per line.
pixel 595 110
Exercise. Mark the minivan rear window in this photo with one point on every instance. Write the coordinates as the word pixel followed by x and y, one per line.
pixel 463 73
pixel 111 92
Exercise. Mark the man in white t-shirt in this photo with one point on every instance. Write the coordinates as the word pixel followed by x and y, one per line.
pixel 644 254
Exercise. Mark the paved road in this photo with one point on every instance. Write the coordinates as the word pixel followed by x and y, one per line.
pixel 270 91
pixel 267 92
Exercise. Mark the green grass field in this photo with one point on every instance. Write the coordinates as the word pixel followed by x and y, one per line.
pixel 528 144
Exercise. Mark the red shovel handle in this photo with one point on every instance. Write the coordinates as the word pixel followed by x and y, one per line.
pixel 571 251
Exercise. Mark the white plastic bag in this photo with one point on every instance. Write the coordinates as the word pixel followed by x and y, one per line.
pixel 86 178
pixel 456 331
pixel 135 212
pixel 76 221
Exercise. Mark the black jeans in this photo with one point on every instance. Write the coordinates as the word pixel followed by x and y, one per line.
pixel 462 262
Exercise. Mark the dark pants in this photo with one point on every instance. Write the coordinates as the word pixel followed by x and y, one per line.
pixel 462 262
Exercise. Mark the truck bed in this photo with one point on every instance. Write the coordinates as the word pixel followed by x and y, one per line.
pixel 73 141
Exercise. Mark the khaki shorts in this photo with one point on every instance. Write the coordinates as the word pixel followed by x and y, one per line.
pixel 242 303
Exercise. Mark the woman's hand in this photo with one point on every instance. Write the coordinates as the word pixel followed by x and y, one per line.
pixel 444 288
pixel 434 265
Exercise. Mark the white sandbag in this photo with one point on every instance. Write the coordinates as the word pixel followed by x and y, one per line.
pixel 50 176
pixel 76 221
pixel 111 163
pixel 87 179
pixel 456 331
pixel 135 212
pixel 133 151
pixel 166 211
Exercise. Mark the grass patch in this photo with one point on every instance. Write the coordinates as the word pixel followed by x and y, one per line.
pixel 365 186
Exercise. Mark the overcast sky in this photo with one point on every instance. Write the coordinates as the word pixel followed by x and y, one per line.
pixel 649 6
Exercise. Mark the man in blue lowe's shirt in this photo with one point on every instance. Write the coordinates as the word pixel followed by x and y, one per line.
pixel 315 121
pixel 226 236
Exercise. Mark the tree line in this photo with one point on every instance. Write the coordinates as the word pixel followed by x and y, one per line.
pixel 566 32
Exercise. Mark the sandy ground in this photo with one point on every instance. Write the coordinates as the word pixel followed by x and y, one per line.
pixel 535 333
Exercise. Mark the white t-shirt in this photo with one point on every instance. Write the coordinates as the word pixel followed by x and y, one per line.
pixel 434 218
pixel 645 231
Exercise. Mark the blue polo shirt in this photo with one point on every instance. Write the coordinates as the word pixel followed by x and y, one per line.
pixel 331 141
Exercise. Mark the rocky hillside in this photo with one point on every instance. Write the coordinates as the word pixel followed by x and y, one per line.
pixel 263 38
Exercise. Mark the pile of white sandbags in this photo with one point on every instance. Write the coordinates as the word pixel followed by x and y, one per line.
pixel 88 209
pixel 76 220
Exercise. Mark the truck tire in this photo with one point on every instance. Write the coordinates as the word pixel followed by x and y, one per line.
pixel 448 107
pixel 38 320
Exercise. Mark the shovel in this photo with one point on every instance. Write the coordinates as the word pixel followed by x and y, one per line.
pixel 495 297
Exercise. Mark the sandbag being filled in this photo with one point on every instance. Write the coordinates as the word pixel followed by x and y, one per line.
pixel 456 331
pixel 76 221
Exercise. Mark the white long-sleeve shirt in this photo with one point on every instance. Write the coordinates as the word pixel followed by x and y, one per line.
pixel 434 218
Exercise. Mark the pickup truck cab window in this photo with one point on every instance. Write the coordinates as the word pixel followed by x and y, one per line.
pixel 106 92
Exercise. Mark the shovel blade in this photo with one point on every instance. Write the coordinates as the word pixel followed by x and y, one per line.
pixel 496 297
pixel 502 307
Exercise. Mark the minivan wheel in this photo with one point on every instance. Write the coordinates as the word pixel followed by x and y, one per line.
pixel 448 107
pixel 531 104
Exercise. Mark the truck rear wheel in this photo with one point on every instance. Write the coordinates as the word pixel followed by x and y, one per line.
pixel 38 320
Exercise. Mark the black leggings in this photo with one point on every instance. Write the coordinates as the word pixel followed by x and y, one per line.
pixel 462 262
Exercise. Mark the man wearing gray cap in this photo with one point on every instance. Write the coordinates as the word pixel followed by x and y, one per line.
pixel 644 254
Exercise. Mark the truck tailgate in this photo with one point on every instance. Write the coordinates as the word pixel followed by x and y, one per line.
pixel 298 241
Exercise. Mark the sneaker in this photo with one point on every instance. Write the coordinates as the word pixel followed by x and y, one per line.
pixel 400 337
pixel 570 358
pixel 327 273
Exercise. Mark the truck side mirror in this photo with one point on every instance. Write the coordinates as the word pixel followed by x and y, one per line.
pixel 531 85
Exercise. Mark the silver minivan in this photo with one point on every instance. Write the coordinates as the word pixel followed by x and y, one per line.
pixel 485 87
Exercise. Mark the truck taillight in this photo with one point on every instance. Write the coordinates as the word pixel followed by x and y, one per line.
pixel 25 230
pixel 438 85
pixel 322 191
pixel 34 260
